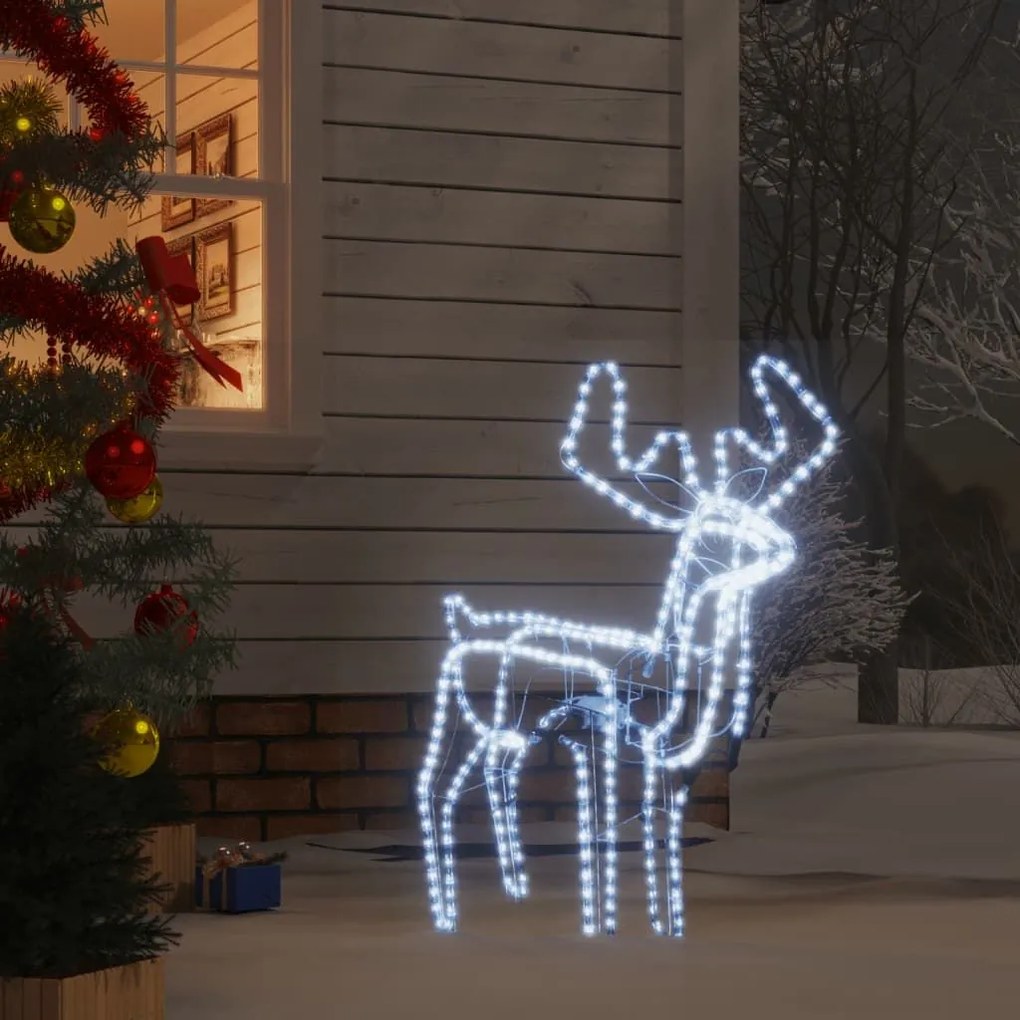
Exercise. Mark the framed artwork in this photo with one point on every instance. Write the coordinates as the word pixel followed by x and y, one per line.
pixel 178 211
pixel 215 271
pixel 214 157
pixel 184 246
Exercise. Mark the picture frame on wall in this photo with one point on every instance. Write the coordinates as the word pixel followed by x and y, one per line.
pixel 214 157
pixel 215 271
pixel 184 246
pixel 179 211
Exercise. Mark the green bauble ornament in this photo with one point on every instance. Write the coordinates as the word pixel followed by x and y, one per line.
pixel 41 220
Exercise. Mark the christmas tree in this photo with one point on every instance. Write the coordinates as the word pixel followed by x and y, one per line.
pixel 79 432
pixel 72 886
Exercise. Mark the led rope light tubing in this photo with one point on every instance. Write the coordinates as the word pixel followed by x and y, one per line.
pixel 760 551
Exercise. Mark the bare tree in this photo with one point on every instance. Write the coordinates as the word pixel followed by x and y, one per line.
pixel 985 608
pixel 861 203
pixel 935 697
pixel 841 601
pixel 967 335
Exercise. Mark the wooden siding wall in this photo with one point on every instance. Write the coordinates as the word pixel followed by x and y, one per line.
pixel 501 207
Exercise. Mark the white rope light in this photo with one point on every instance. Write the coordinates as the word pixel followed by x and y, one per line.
pixel 720 601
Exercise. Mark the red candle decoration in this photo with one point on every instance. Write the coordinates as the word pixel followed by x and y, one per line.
pixel 161 610
pixel 120 464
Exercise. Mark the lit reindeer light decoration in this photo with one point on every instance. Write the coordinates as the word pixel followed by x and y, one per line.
pixel 706 593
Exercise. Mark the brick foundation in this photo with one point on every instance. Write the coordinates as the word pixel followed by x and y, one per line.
pixel 269 768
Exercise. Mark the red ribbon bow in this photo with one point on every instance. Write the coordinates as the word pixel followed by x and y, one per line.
pixel 172 278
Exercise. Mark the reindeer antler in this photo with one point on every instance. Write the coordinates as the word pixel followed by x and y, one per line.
pixel 650 456
pixel 780 444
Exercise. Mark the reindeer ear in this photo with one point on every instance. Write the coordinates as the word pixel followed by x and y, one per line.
pixel 747 485
pixel 681 498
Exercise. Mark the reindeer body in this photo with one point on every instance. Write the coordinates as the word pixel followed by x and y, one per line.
pixel 702 594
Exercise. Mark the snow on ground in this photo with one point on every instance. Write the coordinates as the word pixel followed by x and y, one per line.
pixel 870 873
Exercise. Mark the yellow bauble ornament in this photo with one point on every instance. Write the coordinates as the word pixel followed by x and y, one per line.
pixel 131 741
pixel 41 220
pixel 140 509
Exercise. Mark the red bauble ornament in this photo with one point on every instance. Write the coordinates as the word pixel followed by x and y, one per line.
pixel 120 463
pixel 160 610
pixel 10 603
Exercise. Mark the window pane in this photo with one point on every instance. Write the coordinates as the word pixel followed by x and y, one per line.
pixel 228 262
pixel 134 29
pixel 223 241
pixel 222 115
pixel 218 33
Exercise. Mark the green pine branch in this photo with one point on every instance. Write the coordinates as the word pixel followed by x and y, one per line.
pixel 124 564
pixel 116 171
pixel 29 109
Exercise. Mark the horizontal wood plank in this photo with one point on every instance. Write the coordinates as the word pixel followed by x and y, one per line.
pixel 249 500
pixel 348 667
pixel 448 103
pixel 652 17
pixel 411 156
pixel 519 52
pixel 368 325
pixel 448 559
pixel 390 212
pixel 384 268
pixel 286 556
pixel 458 388
pixel 366 612
pixel 505 449
pixel 335 667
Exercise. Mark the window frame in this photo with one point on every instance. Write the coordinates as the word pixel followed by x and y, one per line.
pixel 287 432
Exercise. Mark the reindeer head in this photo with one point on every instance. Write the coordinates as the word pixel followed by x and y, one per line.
pixel 715 513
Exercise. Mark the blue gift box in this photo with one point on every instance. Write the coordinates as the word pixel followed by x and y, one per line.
pixel 239 890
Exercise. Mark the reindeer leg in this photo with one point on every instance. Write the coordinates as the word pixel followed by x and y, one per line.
pixel 650 806
pixel 442 918
pixel 608 861
pixel 674 856
pixel 502 777
pixel 585 834
pixel 448 865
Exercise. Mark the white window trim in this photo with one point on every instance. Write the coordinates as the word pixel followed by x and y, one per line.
pixel 287 434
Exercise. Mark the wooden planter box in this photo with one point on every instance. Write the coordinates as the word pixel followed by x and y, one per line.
pixel 171 850
pixel 132 992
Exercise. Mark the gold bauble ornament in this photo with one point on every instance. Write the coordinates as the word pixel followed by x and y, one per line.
pixel 141 508
pixel 41 220
pixel 131 741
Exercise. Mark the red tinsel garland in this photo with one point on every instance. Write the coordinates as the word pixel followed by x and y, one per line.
pixel 104 326
pixel 29 28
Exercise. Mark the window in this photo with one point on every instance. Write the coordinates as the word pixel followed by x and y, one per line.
pixel 235 85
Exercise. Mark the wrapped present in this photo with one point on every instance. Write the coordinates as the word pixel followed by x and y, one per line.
pixel 238 881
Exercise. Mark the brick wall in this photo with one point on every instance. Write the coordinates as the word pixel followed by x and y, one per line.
pixel 269 768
